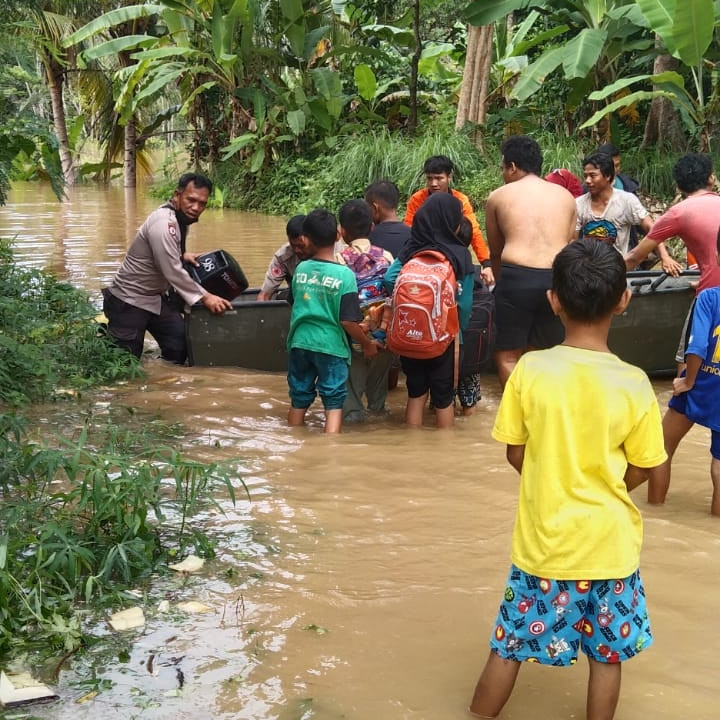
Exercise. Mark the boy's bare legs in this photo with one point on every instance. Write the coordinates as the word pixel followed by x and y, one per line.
pixel 603 690
pixel 675 427
pixel 445 417
pixel 715 475
pixel 296 416
pixel 415 409
pixel 333 420
pixel 494 686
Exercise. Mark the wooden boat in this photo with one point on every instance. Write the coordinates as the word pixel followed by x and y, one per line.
pixel 253 334
pixel 647 334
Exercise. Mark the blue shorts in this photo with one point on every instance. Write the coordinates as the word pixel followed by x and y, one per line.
pixel 312 373
pixel 679 404
pixel 546 621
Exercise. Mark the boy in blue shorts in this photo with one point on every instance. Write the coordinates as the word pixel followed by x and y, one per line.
pixel 696 393
pixel 325 311
pixel 582 428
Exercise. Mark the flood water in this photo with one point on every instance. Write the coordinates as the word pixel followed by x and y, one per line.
pixel 362 579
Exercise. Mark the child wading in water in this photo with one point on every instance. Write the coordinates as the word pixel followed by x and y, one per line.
pixel 325 311
pixel 695 394
pixel 583 429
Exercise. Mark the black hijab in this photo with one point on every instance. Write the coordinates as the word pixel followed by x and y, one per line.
pixel 434 227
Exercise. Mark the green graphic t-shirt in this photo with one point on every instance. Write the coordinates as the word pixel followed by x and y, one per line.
pixel 324 293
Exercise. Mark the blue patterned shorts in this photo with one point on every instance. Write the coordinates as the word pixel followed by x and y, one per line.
pixel 546 621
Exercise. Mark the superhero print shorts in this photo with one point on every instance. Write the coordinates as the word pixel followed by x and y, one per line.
pixel 546 621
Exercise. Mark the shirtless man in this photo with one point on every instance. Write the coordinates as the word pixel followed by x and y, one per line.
pixel 528 221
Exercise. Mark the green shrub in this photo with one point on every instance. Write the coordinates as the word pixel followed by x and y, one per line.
pixel 297 183
pixel 49 337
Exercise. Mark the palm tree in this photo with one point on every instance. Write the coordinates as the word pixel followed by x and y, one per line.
pixel 48 33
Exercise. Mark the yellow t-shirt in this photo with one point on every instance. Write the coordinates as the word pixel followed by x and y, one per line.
pixel 582 416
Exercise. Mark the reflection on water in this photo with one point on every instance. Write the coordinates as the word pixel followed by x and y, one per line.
pixel 84 239
pixel 362 579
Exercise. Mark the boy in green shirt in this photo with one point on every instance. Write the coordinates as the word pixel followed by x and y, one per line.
pixel 325 311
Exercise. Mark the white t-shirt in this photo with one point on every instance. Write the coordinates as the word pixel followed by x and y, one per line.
pixel 613 226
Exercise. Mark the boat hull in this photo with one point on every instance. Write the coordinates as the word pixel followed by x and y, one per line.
pixel 647 334
pixel 254 333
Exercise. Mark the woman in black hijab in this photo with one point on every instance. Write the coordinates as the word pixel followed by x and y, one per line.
pixel 435 227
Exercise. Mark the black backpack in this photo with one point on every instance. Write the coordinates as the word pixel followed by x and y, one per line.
pixel 479 338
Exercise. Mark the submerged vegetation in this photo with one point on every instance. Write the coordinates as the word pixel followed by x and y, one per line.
pixel 90 513
pixel 84 519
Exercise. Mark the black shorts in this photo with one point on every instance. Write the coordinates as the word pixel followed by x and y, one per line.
pixel 434 374
pixel 523 314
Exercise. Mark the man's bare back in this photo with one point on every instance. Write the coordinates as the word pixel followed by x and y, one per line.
pixel 528 221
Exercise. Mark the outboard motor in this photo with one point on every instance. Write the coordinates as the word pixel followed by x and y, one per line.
pixel 219 273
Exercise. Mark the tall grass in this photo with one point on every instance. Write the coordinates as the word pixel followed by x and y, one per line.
pixel 300 182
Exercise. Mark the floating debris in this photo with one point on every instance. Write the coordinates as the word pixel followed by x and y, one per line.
pixel 191 564
pixel 194 608
pixel 127 619
pixel 23 689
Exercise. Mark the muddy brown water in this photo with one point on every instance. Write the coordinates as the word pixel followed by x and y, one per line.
pixel 362 579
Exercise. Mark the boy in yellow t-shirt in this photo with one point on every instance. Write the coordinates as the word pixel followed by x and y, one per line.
pixel 582 428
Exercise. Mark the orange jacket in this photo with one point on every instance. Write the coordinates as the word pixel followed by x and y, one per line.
pixel 478 241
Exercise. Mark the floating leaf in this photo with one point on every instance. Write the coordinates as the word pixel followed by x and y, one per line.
pixel 317 629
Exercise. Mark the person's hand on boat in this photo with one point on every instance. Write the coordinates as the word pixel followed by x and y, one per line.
pixel 190 257
pixel 216 304
pixel 681 385
pixel 671 267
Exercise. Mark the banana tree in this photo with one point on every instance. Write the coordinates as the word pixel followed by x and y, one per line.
pixel 687 28
pixel 225 57
pixel 596 34
pixel 199 46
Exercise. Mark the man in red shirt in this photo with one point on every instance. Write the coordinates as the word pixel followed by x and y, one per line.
pixel 695 220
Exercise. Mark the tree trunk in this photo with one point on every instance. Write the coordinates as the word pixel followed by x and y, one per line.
pixel 663 128
pixel 476 79
pixel 130 158
pixel 414 63
pixel 56 79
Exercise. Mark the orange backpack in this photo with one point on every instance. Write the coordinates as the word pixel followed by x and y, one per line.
pixel 424 311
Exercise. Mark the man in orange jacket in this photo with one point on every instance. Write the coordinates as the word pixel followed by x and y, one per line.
pixel 438 171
